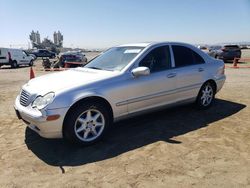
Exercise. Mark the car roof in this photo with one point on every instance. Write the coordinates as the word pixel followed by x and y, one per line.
pixel 136 44
pixel 146 44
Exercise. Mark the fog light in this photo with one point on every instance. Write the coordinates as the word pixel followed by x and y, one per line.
pixel 53 117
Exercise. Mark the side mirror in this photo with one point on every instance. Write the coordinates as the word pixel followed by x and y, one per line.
pixel 140 71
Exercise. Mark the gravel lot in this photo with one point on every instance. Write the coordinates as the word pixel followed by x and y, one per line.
pixel 178 147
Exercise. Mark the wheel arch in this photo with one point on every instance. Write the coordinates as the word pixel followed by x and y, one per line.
pixel 14 61
pixel 214 84
pixel 89 99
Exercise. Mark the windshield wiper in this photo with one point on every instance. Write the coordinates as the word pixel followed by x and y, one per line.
pixel 95 68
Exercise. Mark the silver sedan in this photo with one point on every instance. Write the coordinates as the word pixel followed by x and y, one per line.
pixel 81 104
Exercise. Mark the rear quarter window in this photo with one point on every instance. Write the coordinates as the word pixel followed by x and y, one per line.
pixel 197 58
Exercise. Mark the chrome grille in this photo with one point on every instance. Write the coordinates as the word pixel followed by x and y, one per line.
pixel 24 98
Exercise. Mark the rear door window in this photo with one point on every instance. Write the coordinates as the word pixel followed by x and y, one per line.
pixel 184 56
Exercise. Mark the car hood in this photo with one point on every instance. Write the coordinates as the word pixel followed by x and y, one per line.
pixel 66 79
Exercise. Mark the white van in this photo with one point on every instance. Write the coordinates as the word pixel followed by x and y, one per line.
pixel 14 57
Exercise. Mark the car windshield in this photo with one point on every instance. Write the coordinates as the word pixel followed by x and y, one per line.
pixel 114 59
pixel 24 53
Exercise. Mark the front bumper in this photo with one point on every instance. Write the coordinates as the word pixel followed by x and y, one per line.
pixel 37 120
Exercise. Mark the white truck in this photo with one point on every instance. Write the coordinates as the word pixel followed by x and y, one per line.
pixel 15 57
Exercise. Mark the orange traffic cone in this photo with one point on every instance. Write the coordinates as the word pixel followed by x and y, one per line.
pixel 235 62
pixel 32 74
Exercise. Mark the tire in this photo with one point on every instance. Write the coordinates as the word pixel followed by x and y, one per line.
pixel 206 96
pixel 14 64
pixel 86 123
pixel 31 63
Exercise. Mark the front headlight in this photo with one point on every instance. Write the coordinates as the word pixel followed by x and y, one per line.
pixel 42 101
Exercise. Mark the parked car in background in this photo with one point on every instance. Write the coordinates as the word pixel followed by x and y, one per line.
pixel 74 59
pixel 14 57
pixel 204 48
pixel 82 103
pixel 243 47
pixel 43 53
pixel 33 56
pixel 226 52
pixel 74 55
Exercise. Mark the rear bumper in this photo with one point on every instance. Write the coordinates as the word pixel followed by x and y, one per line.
pixel 37 120
pixel 220 82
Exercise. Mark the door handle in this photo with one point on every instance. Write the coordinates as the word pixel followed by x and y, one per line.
pixel 171 75
pixel 200 69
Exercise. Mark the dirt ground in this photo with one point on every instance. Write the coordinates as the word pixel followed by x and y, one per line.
pixel 178 147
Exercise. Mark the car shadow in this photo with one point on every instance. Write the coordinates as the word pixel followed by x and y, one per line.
pixel 130 134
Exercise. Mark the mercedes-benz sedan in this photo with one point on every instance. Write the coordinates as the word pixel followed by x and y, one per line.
pixel 81 104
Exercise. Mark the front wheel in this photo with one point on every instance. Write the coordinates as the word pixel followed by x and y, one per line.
pixel 31 63
pixel 86 123
pixel 14 64
pixel 206 95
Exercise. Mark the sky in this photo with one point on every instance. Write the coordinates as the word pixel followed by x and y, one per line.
pixel 105 23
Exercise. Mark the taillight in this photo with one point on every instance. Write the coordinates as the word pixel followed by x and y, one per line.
pixel 9 56
pixel 221 70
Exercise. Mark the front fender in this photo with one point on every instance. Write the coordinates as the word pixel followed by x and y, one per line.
pixel 67 99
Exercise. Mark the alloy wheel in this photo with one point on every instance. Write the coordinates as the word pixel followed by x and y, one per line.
pixel 207 95
pixel 89 125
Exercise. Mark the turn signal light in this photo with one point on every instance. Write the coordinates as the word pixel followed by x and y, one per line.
pixel 53 117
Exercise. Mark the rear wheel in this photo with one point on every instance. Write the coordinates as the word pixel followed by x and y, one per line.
pixel 86 123
pixel 206 95
pixel 14 64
